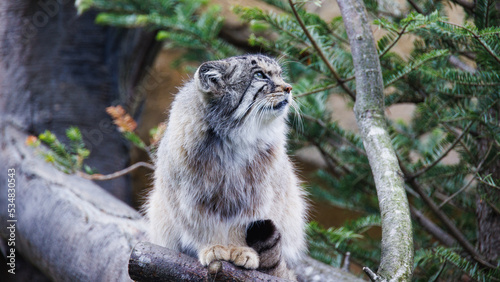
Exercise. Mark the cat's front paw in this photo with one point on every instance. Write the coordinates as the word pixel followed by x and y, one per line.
pixel 213 253
pixel 244 256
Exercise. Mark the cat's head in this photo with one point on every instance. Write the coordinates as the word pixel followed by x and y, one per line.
pixel 244 88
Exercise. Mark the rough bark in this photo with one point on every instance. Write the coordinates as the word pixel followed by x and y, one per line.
pixel 59 69
pixel 152 262
pixel 397 238
pixel 487 206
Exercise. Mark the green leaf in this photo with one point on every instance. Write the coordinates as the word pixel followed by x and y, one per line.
pixel 135 139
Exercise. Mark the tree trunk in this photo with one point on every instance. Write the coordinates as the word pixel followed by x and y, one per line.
pixel 487 210
pixel 397 236
pixel 59 69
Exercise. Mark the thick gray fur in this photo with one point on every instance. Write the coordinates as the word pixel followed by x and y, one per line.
pixel 222 164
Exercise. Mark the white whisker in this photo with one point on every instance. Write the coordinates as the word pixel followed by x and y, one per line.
pixel 297 113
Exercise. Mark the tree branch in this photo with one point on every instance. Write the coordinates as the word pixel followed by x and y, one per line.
pixel 323 88
pixel 432 228
pixel 323 124
pixel 416 7
pixel 400 34
pixel 436 161
pixel 119 173
pixel 470 181
pixel 317 90
pixel 465 4
pixel 478 38
pixel 397 236
pixel 149 262
pixel 445 220
pixel 320 52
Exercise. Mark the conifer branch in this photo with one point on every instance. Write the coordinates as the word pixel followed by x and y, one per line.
pixel 436 161
pixel 400 34
pixel 454 231
pixel 323 88
pixel 323 124
pixel 318 90
pixel 488 184
pixel 320 52
pixel 478 38
pixel 476 171
pixel 332 160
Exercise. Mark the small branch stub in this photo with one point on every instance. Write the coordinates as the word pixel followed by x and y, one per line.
pixel 372 275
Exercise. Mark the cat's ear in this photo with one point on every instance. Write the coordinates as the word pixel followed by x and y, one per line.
pixel 210 77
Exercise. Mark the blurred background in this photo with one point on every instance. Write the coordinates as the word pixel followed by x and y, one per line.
pixel 440 62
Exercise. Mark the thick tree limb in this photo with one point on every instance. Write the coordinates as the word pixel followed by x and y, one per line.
pixel 397 236
pixel 152 262
pixel 67 226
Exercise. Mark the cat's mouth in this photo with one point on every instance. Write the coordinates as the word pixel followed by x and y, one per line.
pixel 278 100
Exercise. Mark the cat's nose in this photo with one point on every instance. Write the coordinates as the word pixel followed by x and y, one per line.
pixel 287 88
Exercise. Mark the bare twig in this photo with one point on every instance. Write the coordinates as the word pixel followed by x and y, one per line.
pixel 117 174
pixel 400 34
pixel 466 4
pixel 323 88
pixel 323 124
pixel 416 7
pixel 470 181
pixel 320 52
pixel 432 228
pixel 318 90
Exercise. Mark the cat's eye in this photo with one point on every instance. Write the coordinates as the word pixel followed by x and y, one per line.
pixel 259 75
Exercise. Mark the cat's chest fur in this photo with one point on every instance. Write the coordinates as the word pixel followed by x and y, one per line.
pixel 228 179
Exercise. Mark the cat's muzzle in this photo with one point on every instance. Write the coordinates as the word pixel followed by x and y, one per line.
pixel 279 100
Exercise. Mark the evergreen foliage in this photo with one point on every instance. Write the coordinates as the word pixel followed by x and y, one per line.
pixel 69 160
pixel 452 76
